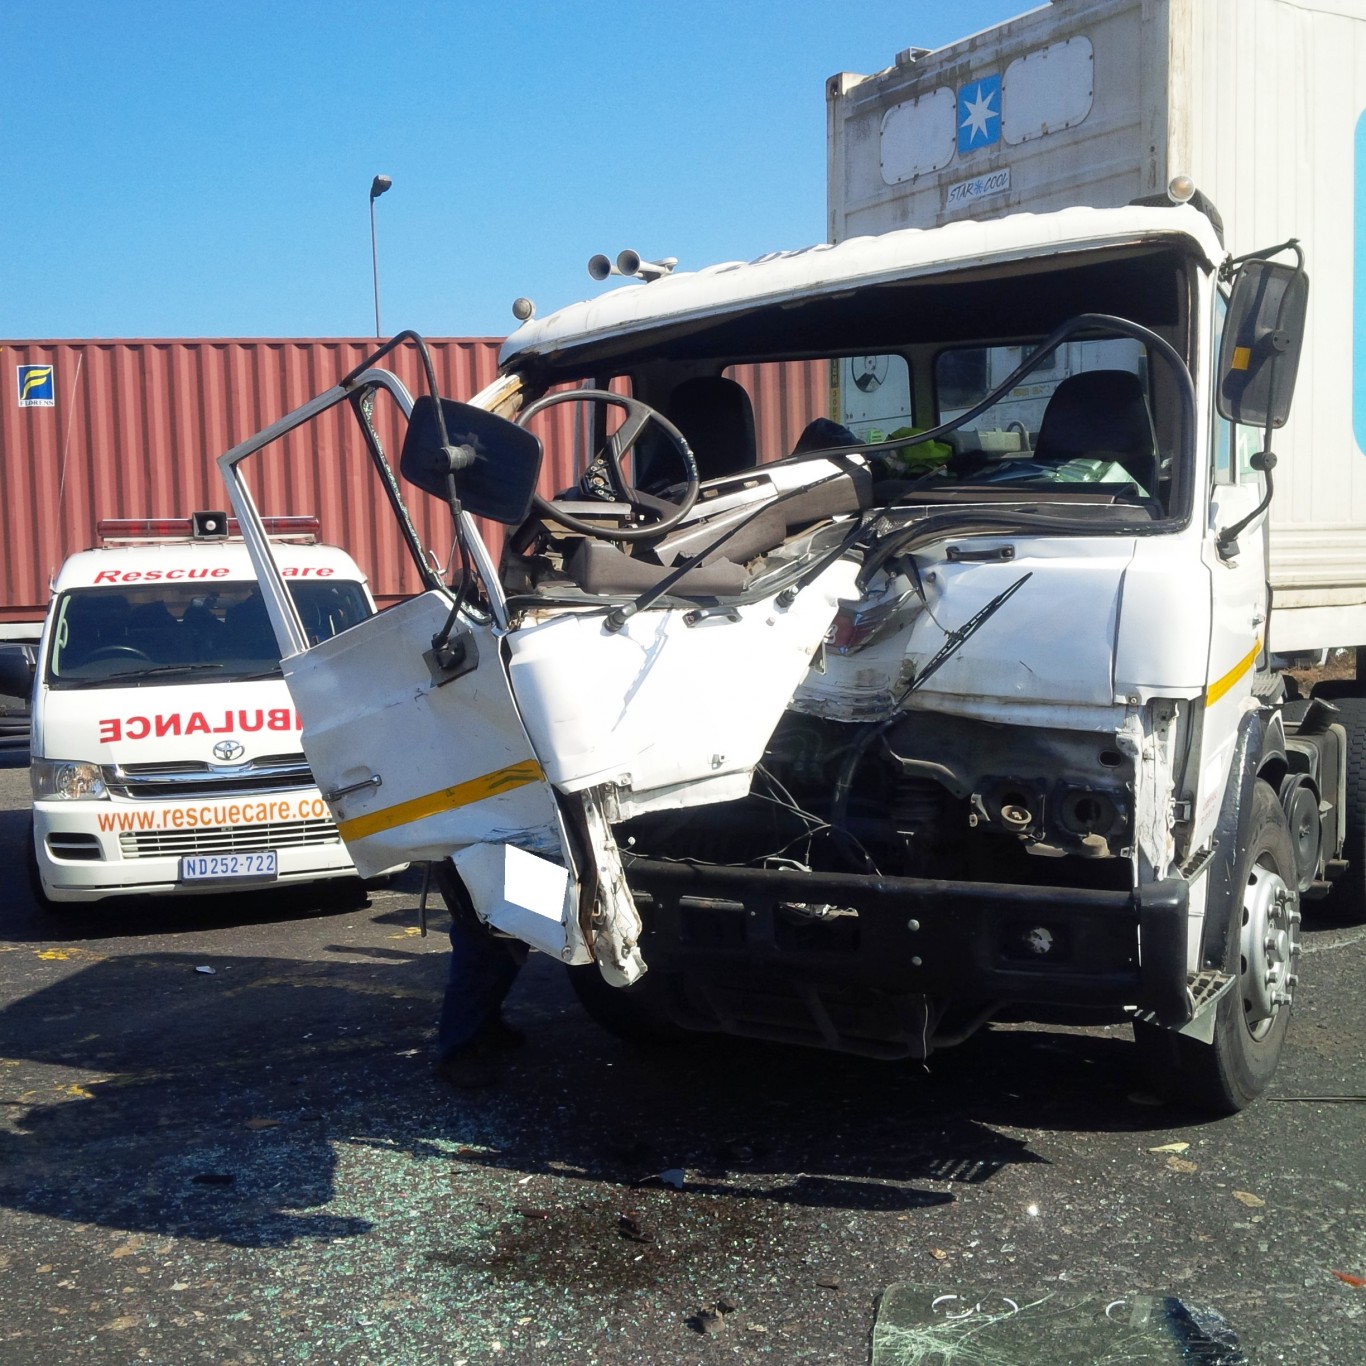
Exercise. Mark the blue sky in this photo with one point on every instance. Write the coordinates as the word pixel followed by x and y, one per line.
pixel 176 168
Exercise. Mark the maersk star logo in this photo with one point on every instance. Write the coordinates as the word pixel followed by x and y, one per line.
pixel 979 114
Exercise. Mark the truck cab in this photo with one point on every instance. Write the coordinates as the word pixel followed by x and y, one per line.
pixel 165 754
pixel 809 727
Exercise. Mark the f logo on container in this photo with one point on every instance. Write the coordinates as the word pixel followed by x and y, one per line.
pixel 36 387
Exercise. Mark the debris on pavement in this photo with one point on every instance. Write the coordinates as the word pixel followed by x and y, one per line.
pixel 629 1226
pixel 711 1318
pixel 919 1323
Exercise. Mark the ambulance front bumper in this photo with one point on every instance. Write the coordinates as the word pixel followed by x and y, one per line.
pixel 88 850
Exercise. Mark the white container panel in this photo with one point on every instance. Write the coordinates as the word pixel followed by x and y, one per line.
pixel 1048 90
pixel 918 136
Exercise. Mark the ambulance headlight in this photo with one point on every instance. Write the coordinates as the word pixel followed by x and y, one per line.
pixel 69 780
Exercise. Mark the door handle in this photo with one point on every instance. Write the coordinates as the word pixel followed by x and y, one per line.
pixel 374 780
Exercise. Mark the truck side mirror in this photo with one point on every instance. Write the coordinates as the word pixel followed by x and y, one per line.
pixel 493 463
pixel 1260 352
pixel 16 670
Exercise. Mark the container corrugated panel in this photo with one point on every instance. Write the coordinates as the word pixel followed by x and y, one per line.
pixel 785 397
pixel 135 428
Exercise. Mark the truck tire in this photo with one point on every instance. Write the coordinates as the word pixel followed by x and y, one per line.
pixel 1251 1018
pixel 633 1014
pixel 1348 897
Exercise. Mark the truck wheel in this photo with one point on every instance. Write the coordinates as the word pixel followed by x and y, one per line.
pixel 1348 897
pixel 1261 951
pixel 634 1014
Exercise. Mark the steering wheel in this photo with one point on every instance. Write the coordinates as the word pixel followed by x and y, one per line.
pixel 664 514
pixel 117 651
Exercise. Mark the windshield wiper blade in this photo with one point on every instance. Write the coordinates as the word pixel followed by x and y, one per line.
pixel 162 670
pixel 130 676
pixel 956 639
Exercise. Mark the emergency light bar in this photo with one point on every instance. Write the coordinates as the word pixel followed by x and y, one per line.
pixel 200 526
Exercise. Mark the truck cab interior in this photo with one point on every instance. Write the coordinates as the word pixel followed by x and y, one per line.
pixel 904 397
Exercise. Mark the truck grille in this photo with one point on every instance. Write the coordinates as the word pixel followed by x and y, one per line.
pixel 210 840
pixel 148 782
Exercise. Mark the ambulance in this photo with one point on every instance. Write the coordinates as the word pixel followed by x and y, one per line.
pixel 165 753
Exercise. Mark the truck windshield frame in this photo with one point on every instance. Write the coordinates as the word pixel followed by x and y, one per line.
pixel 1142 295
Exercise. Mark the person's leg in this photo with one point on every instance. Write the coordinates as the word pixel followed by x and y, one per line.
pixel 482 971
pixel 483 968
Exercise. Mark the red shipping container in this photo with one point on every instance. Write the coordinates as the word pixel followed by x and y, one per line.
pixel 101 429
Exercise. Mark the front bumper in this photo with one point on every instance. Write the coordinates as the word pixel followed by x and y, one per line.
pixel 914 937
pixel 79 859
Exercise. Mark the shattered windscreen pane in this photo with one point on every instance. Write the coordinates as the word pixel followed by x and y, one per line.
pixel 924 1325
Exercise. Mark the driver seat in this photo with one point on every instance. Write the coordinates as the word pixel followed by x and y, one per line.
pixel 717 420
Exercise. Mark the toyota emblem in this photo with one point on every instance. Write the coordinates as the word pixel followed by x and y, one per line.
pixel 229 750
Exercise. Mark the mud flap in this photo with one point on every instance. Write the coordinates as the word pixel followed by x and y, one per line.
pixel 1163 914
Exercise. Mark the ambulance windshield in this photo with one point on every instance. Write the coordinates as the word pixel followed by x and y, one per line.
pixel 167 632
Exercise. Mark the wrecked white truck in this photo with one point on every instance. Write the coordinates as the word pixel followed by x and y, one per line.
pixel 864 745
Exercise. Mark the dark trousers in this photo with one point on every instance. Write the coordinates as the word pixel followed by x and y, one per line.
pixel 482 971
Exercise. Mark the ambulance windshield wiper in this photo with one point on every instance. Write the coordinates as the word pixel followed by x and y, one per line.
pixel 133 676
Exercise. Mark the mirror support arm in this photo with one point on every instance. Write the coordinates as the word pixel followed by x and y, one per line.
pixel 1264 461
pixel 1228 268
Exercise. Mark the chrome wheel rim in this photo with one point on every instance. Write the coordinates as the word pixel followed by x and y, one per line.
pixel 1269 948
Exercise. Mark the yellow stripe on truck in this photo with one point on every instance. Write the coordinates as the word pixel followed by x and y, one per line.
pixel 447 799
pixel 1223 685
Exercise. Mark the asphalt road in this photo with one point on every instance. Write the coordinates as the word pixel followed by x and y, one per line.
pixel 254 1165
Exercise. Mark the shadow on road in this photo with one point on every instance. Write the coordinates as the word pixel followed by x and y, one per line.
pixel 277 1087
pixel 142 1092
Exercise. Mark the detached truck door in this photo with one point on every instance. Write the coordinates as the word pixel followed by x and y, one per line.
pixel 418 762
pixel 412 765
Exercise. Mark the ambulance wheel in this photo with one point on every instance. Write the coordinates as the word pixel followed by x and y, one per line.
pixel 1261 951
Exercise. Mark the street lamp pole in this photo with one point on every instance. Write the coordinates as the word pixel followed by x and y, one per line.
pixel 377 188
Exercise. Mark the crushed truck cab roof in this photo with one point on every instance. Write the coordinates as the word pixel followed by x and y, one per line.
pixel 784 276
